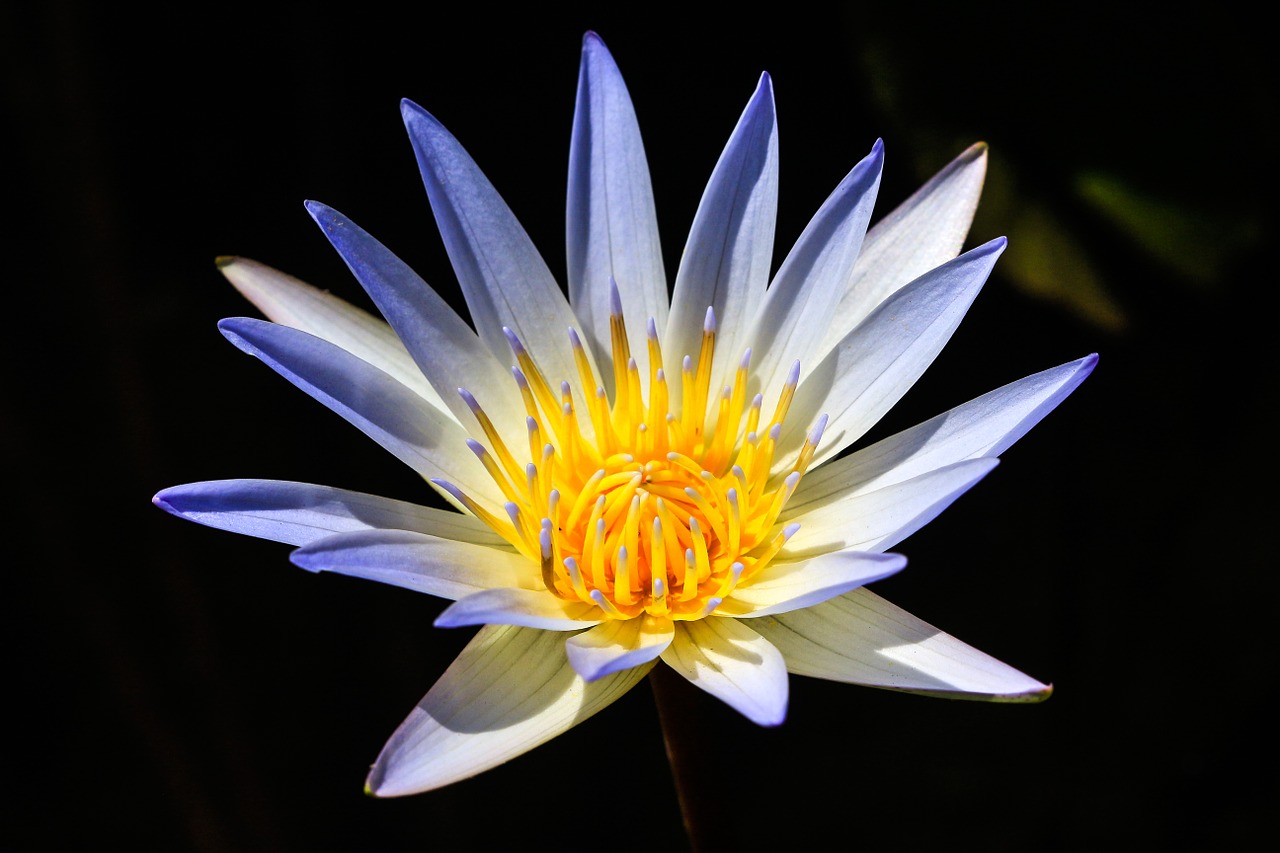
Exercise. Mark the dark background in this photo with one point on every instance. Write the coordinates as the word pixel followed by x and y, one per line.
pixel 180 688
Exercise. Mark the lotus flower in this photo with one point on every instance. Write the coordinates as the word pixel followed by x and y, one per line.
pixel 637 475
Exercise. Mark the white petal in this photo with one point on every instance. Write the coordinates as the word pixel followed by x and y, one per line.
pixel 729 254
pixel 447 352
pixel 618 644
pixel 299 513
pixel 860 638
pixel 530 608
pixel 733 663
pixel 294 303
pixel 417 561
pixel 785 586
pixel 878 520
pixel 798 307
pixel 509 691
pixel 422 436
pixel 505 281
pixel 924 231
pixel 612 227
pixel 985 426
pixel 879 361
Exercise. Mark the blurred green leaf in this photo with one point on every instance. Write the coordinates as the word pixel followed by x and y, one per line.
pixel 1193 242
pixel 1045 259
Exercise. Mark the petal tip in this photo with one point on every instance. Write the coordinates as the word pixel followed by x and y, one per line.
pixel 1040 695
pixel 772 719
pixel 304 559
pixel 161 500
pixel 1031 696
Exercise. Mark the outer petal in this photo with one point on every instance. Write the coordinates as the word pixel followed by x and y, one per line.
pixel 416 561
pixel 510 690
pixel 924 231
pixel 530 608
pixel 441 343
pixel 985 426
pixel 878 362
pixel 291 302
pixel 860 638
pixel 417 433
pixel 504 279
pixel 729 253
pixel 618 644
pixel 797 309
pixel 733 663
pixel 785 586
pixel 300 513
pixel 878 520
pixel 612 228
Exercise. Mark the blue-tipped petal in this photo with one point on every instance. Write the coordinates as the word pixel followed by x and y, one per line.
pixel 785 586
pixel 611 224
pixel 879 361
pixel 300 513
pixel 880 519
pixel 443 346
pixel 291 302
pixel 437 566
pixel 729 254
pixel 924 231
pixel 505 281
pixel 798 307
pixel 859 638
pixel 415 432
pixel 985 426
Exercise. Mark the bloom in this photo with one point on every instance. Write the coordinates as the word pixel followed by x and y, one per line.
pixel 621 499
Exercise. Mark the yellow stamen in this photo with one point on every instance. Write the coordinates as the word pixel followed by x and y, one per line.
pixel 655 514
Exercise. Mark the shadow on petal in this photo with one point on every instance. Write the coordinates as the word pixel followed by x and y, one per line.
pixel 509 691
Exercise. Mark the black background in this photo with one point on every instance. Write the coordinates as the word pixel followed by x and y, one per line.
pixel 180 688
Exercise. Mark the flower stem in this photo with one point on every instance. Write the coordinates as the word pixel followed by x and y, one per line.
pixel 686 743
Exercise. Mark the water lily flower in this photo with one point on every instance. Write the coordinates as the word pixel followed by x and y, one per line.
pixel 640 475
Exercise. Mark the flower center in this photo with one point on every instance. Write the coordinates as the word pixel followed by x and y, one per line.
pixel 654 514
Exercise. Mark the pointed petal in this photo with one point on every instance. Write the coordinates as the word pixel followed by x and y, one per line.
pixel 417 433
pixel 291 302
pixel 878 520
pixel 878 362
pixel 505 281
pixel 612 227
pixel 729 253
pixel 797 309
pixel 300 513
pixel 618 644
pixel 733 663
pixel 860 638
pixel 529 608
pixel 416 561
pixel 985 426
pixel 785 586
pixel 926 230
pixel 509 691
pixel 445 349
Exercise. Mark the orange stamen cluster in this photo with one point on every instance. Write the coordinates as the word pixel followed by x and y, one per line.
pixel 654 514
